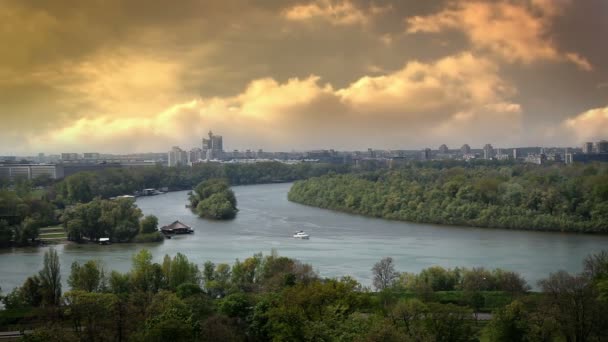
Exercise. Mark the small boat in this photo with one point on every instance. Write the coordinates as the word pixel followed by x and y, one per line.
pixel 301 235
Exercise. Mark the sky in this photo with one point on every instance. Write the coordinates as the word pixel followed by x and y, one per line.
pixel 144 75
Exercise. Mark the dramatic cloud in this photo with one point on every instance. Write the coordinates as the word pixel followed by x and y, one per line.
pixel 516 31
pixel 591 125
pixel 143 75
pixel 446 99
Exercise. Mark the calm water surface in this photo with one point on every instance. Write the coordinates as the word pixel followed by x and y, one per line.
pixel 340 244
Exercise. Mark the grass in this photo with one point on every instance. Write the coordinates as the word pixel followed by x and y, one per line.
pixel 38 193
pixel 52 233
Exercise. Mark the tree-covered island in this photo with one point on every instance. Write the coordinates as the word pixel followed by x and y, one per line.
pixel 213 199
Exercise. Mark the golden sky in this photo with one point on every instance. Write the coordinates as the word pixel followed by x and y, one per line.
pixel 144 75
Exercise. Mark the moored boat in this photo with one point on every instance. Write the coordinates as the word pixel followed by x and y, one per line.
pixel 301 235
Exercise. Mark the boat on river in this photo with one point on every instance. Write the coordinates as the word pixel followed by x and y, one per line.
pixel 301 235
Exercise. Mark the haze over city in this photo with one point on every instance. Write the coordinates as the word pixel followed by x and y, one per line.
pixel 138 76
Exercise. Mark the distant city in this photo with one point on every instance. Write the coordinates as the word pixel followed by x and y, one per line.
pixel 212 150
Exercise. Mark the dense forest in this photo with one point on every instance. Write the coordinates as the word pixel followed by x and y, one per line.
pixel 213 199
pixel 571 198
pixel 274 298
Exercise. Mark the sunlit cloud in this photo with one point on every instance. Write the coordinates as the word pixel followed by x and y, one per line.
pixel 590 125
pixel 391 108
pixel 516 31
pixel 340 12
pixel 302 74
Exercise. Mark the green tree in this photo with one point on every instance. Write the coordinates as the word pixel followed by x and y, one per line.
pixel 510 324
pixel 93 315
pixel 149 224
pixel 214 199
pixel 50 278
pixel 179 271
pixel 88 277
pixel 6 234
pixel 28 231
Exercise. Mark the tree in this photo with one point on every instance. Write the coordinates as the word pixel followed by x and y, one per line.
pixel 149 224
pixel 142 272
pixel 384 274
pixel 50 278
pixel 180 271
pixel 571 302
pixel 93 314
pixel 88 277
pixel 6 233
pixel 28 231
pixel 214 199
pixel 170 319
pixel 448 322
pixel 510 324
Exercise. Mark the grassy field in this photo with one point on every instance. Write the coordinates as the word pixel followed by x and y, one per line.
pixel 52 234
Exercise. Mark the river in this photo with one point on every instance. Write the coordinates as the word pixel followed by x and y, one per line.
pixel 340 244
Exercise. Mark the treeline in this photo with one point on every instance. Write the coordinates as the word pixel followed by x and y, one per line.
pixel 83 187
pixel 570 198
pixel 119 220
pixel 274 298
pixel 213 199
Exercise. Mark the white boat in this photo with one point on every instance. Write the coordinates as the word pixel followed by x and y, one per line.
pixel 301 235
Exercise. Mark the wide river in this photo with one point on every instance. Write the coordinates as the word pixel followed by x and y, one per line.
pixel 340 244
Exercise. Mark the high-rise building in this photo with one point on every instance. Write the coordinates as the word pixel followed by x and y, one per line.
pixel 465 149
pixel 601 146
pixel 177 157
pixel 515 154
pixel 588 147
pixel 444 149
pixel 426 154
pixel 213 147
pixel 195 155
pixel 488 152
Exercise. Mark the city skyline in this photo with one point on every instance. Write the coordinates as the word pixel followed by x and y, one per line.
pixel 75 153
pixel 134 77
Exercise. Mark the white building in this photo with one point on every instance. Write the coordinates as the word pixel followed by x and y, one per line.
pixel 195 155
pixel 177 157
pixel 31 171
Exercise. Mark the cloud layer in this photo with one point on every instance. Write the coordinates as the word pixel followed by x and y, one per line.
pixel 444 100
pixel 126 76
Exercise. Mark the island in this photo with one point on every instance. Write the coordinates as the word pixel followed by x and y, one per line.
pixel 213 199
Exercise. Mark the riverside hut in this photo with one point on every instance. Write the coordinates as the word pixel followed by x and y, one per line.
pixel 176 227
